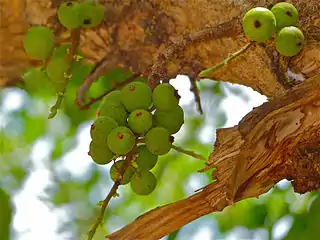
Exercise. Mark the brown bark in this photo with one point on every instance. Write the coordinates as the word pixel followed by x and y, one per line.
pixel 140 30
pixel 277 140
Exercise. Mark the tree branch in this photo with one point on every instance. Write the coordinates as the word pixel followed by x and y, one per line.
pixel 164 220
pixel 277 140
pixel 136 33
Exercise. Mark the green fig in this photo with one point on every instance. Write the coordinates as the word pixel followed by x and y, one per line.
pixel 286 14
pixel 289 41
pixel 259 24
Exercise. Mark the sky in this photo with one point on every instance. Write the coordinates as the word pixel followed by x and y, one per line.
pixel 29 219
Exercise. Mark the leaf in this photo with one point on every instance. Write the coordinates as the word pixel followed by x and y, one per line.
pixel 173 235
pixel 237 215
pixel 306 225
pixel 6 215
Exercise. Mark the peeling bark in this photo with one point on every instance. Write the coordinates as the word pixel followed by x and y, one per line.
pixel 278 140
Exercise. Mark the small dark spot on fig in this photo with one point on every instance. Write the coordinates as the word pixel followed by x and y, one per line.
pixel 69 4
pixel 299 44
pixel 257 24
pixel 289 13
pixel 138 114
pixel 87 21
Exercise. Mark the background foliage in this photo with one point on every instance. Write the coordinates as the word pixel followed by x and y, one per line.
pixel 48 159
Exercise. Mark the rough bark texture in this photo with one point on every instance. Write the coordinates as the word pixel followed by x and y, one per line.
pixel 135 32
pixel 277 140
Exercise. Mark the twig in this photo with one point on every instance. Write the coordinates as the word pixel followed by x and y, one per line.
pixel 193 69
pixel 94 74
pixel 113 192
pixel 96 99
pixel 75 36
pixel 208 72
pixel 278 65
pixel 56 106
pixel 196 94
pixel 98 70
pixel 104 205
pixel 188 152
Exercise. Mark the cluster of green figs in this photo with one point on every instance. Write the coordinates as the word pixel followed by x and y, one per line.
pixel 134 126
pixel 40 44
pixel 260 24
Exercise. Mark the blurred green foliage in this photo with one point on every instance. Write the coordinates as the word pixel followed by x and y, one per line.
pixel 6 215
pixel 23 127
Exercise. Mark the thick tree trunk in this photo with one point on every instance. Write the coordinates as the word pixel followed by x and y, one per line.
pixel 277 140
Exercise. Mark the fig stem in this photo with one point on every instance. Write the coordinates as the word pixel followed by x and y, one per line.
pixel 57 105
pixel 188 152
pixel 112 193
pixel 208 72
pixel 75 36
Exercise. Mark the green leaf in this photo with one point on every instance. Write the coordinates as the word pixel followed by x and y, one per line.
pixel 34 127
pixel 237 215
pixel 173 235
pixel 306 225
pixel 217 89
pixel 6 215
pixel 299 228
